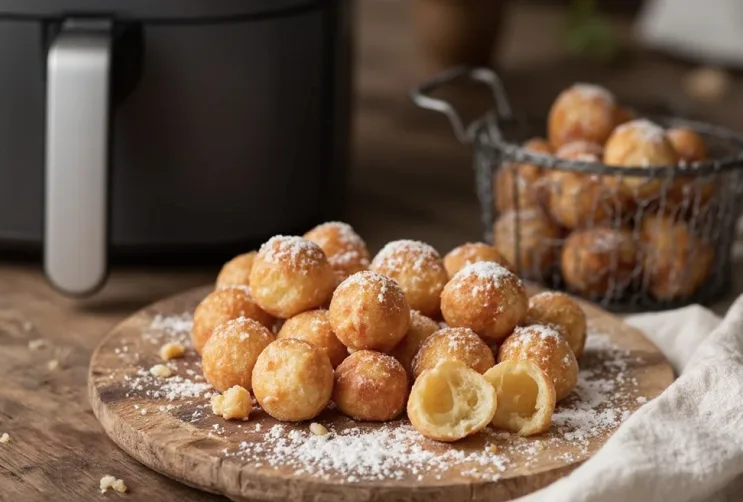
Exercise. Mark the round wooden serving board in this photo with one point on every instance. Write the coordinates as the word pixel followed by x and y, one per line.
pixel 172 430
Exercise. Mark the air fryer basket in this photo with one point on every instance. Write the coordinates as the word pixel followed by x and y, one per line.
pixel 692 212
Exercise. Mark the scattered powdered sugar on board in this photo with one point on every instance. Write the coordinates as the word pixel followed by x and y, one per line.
pixel 173 328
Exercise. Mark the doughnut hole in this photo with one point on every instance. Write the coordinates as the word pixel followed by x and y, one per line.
pixel 582 112
pixel 345 249
pixel 314 327
pixel 520 181
pixel 537 250
pixel 473 252
pixel 453 344
pixel 561 312
pixel 236 272
pixel 421 327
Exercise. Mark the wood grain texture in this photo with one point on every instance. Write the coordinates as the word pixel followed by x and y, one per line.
pixel 169 442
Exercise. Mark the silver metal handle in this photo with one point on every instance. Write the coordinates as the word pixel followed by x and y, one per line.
pixel 421 97
pixel 77 140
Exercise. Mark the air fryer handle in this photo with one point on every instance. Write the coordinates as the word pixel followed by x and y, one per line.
pixel 77 156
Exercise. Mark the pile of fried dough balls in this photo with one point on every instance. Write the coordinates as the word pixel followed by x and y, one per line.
pixel 455 342
pixel 607 234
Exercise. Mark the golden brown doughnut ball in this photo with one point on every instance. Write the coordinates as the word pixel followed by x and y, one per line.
pixel 677 262
pixel 537 245
pixel 582 112
pixel 523 177
pixel 599 261
pixel 486 298
pixel 292 380
pixel 453 344
pixel 473 252
pixel 562 313
pixel 314 327
pixel 578 200
pixel 231 352
pixel 370 386
pixel 345 249
pixel 236 272
pixel 687 193
pixel 369 312
pixel 639 143
pixel 291 275
pixel 418 269
pixel 222 305
pixel 421 327
pixel 623 115
pixel 586 151
pixel 689 144
pixel 550 351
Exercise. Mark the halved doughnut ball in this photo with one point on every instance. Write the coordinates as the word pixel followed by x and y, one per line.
pixel 231 352
pixel 453 344
pixel 345 249
pixel 600 262
pixel 369 311
pixel 292 380
pixel 450 402
pixel 222 305
pixel 421 327
pixel 486 298
pixel 370 386
pixel 291 275
pixel 526 397
pixel 535 252
pixel 472 252
pixel 546 348
pixel 417 268
pixel 314 327
pixel 582 112
pixel 236 272
pixel 561 312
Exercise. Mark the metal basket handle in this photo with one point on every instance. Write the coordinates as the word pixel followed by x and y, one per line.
pixel 421 97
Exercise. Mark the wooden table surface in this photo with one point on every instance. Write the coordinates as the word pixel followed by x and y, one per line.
pixel 410 179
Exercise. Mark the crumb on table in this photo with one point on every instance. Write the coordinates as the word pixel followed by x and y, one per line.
pixel 234 403
pixel 53 365
pixel 161 371
pixel 5 438
pixel 318 429
pixel 36 344
pixel 172 351
pixel 109 481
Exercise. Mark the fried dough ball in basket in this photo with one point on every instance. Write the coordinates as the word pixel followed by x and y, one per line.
pixel 222 305
pixel 582 112
pixel 292 380
pixel 421 327
pixel 370 386
pixel 526 397
pixel 536 252
pixel 689 192
pixel 639 143
pixel 677 262
pixel 546 348
pixel 345 249
pixel 291 275
pixel 453 344
pixel 586 151
pixel 231 352
pixel 486 298
pixel 514 180
pixel 578 200
pixel 562 313
pixel 600 262
pixel 472 252
pixel 314 327
pixel 236 272
pixel 451 401
pixel 369 311
pixel 418 269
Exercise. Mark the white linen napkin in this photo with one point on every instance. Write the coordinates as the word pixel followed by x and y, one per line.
pixel 687 444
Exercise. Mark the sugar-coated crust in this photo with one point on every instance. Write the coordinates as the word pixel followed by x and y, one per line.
pixel 291 275
pixel 578 200
pixel 417 268
pixel 599 261
pixel 539 420
pixel 453 344
pixel 537 246
pixel 292 380
pixel 370 386
pixel 561 312
pixel 582 112
pixel 345 249
pixel 549 350
pixel 472 252
pixel 522 179
pixel 469 402
pixel 421 327
pixel 236 272
pixel 676 262
pixel 369 311
pixel 314 327
pixel 231 352
pixel 485 298
pixel 221 305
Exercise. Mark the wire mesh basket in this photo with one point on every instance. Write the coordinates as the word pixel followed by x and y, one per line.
pixel 574 225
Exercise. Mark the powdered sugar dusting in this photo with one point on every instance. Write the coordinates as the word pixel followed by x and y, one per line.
pixel 647 130
pixel 371 284
pixel 593 91
pixel 406 256
pixel 296 251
